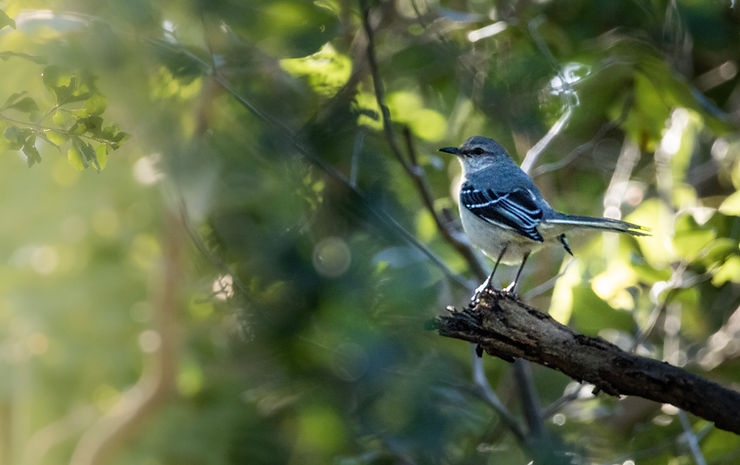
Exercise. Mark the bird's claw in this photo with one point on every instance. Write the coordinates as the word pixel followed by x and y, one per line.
pixel 510 290
pixel 486 286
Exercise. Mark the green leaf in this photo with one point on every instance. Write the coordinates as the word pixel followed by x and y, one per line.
pixel 101 154
pixel 692 243
pixel 731 205
pixel 114 135
pixel 60 118
pixel 716 251
pixel 45 138
pixel 17 136
pixel 88 154
pixel 6 20
pixel 26 105
pixel 56 81
pixel 57 138
pixel 183 64
pixel 728 271
pixel 74 157
pixel 95 105
pixel 284 28
pixel 67 87
pixel 92 124
pixel 13 98
pixel 29 149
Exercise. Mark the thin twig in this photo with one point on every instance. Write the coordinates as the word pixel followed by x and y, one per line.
pixel 691 438
pixel 717 349
pixel 215 260
pixel 485 390
pixel 675 284
pixel 534 153
pixel 655 450
pixel 356 150
pixel 615 192
pixel 570 100
pixel 41 129
pixel 378 87
pixel 576 152
pixel 416 173
pixel 672 286
pixel 561 402
pixel 550 283
pixel 412 168
pixel 528 398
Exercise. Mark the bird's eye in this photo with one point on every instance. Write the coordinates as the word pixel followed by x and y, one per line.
pixel 477 151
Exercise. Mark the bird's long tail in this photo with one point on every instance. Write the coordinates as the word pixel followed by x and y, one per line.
pixel 600 223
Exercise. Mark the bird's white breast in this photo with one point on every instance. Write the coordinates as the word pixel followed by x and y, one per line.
pixel 490 239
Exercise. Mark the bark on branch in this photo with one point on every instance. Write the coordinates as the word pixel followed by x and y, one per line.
pixel 506 328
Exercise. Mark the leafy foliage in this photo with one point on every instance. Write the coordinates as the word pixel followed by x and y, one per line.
pixel 75 113
pixel 302 304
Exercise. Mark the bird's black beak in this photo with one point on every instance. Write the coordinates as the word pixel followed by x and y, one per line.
pixel 452 150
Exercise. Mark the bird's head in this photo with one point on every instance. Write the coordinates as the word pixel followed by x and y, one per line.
pixel 477 152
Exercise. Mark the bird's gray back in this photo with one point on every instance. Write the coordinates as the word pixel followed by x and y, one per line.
pixel 506 176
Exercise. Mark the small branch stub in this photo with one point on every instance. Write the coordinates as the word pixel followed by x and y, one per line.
pixel 504 327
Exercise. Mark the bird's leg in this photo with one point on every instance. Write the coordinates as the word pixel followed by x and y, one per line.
pixel 564 241
pixel 488 283
pixel 511 288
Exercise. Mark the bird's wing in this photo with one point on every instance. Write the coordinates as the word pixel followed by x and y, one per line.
pixel 516 209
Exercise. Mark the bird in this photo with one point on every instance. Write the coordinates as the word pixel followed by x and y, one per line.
pixel 504 214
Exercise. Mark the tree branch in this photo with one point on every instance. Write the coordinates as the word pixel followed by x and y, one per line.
pixel 506 328
pixel 463 247
pixel 412 169
pixel 484 389
pixel 157 384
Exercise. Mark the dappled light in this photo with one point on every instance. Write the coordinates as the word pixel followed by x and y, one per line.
pixel 230 235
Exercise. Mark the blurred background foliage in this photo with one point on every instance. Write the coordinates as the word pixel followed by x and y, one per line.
pixel 247 276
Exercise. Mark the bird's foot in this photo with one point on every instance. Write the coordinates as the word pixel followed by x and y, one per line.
pixel 511 290
pixel 485 287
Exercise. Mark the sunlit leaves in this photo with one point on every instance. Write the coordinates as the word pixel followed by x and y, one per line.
pixel 75 158
pixel 646 120
pixel 82 155
pixel 16 136
pixel 285 28
pixel 367 110
pixel 731 205
pixel 408 108
pixel 612 284
pixel 327 70
pixel 690 241
pixel 23 139
pixel 165 85
pixel 29 149
pixel 76 116
pixel 181 63
pixel 21 102
pixel 6 20
pixel 95 105
pixel 561 303
pixel 437 84
pixel 66 86
pixel 728 271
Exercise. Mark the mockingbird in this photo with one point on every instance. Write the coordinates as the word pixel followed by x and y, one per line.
pixel 504 214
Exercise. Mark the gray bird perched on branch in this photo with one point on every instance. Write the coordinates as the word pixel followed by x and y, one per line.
pixel 504 214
